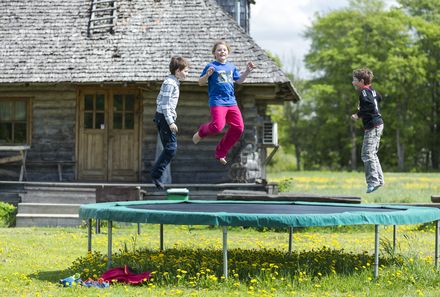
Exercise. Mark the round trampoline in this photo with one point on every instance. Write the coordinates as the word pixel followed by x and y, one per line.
pixel 258 214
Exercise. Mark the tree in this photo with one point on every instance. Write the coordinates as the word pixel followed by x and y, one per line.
pixel 291 117
pixel 364 34
pixel 426 22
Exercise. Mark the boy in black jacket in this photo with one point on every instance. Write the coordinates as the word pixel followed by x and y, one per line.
pixel 368 111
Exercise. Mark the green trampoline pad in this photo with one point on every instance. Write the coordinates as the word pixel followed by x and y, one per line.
pixel 257 213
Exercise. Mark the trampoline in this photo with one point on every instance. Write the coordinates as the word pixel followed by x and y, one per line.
pixel 257 214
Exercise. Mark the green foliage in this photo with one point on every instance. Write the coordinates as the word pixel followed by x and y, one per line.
pixel 401 46
pixel 202 268
pixel 7 214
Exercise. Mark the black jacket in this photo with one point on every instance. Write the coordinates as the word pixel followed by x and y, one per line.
pixel 369 108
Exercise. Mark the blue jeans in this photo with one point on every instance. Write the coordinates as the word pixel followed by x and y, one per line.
pixel 169 143
pixel 370 146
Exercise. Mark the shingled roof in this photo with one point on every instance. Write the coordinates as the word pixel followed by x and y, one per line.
pixel 46 41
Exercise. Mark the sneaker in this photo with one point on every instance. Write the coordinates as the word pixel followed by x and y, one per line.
pixel 373 188
pixel 222 161
pixel 158 183
pixel 196 138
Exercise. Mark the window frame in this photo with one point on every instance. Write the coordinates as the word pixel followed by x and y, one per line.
pixel 28 102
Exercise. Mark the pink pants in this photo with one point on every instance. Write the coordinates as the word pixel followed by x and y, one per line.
pixel 221 115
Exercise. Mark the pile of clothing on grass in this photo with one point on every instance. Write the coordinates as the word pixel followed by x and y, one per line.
pixel 118 274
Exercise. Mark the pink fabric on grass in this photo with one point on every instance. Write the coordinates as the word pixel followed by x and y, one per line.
pixel 125 275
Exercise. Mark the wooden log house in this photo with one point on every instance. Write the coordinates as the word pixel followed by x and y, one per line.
pixel 79 80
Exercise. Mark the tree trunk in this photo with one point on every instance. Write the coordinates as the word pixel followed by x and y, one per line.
pixel 435 129
pixel 353 148
pixel 400 152
pixel 298 156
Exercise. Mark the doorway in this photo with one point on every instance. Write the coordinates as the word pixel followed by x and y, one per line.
pixel 108 135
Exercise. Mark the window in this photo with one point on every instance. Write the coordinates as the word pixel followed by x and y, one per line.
pixel 123 111
pixel 94 111
pixel 14 121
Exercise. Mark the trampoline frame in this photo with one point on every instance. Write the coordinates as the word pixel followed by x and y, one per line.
pixel 225 243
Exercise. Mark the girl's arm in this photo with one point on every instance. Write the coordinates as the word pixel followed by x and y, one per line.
pixel 250 66
pixel 203 80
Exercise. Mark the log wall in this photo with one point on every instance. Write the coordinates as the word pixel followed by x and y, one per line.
pixel 54 115
pixel 53 130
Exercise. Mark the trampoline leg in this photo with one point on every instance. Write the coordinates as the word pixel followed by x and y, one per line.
pixel 161 237
pixel 290 239
pixel 98 226
pixel 109 243
pixel 139 229
pixel 394 239
pixel 436 244
pixel 89 235
pixel 376 251
pixel 225 252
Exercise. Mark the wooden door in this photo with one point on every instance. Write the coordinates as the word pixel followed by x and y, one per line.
pixel 108 136
pixel 123 149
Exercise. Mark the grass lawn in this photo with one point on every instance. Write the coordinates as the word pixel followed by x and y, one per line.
pixel 332 261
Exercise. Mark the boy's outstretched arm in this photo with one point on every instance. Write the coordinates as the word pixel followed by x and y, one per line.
pixel 249 67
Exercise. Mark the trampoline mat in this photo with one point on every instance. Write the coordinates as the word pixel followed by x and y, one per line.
pixel 259 208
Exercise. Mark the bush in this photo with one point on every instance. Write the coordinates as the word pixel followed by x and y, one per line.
pixel 7 214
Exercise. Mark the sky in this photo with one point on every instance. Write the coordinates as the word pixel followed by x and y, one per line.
pixel 279 25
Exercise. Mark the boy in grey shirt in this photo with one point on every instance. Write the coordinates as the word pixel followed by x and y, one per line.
pixel 166 115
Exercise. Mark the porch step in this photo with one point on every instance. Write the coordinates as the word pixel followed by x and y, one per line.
pixel 52 206
pixel 48 220
pixel 48 208
pixel 58 195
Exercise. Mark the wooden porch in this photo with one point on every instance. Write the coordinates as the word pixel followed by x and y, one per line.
pixel 57 203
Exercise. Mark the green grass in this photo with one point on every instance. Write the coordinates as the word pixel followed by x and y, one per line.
pixel 331 261
pixel 398 188
pixel 336 262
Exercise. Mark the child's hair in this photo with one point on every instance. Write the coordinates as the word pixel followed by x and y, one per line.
pixel 217 43
pixel 178 62
pixel 365 74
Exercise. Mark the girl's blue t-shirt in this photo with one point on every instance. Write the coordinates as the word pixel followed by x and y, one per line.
pixel 221 83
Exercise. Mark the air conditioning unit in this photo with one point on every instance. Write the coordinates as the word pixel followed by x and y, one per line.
pixel 270 133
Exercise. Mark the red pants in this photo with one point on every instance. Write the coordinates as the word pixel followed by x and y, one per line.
pixel 221 115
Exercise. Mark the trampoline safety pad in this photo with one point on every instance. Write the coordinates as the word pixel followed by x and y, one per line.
pixel 257 213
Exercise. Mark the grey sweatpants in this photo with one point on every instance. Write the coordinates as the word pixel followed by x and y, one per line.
pixel 370 146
